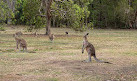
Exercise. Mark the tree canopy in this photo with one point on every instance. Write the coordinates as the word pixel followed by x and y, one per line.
pixel 77 14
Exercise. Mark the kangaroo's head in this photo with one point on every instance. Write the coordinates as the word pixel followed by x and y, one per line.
pixel 85 36
pixel 19 33
pixel 52 35
pixel 14 35
pixel 66 33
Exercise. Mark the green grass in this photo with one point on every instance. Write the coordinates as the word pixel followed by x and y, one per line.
pixel 61 60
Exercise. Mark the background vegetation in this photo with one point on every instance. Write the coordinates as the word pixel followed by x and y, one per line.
pixel 77 14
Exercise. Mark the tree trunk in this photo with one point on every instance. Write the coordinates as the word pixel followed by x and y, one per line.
pixel 135 22
pixel 86 23
pixel 67 23
pixel 100 13
pixel 48 12
pixel 54 20
pixel 48 26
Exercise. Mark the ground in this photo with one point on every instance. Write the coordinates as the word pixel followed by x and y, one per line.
pixel 62 60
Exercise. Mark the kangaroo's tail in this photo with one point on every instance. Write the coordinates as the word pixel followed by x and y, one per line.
pixel 31 51
pixel 100 60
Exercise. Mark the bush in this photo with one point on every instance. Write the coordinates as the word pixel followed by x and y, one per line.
pixel 2 28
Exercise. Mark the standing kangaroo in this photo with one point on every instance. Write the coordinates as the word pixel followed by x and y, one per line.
pixel 21 42
pixel 90 50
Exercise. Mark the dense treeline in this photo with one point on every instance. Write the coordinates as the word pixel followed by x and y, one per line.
pixel 77 14
pixel 114 13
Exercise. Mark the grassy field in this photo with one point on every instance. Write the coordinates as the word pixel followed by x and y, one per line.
pixel 62 59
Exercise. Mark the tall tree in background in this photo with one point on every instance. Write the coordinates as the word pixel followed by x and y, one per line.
pixel 48 13
pixel 46 6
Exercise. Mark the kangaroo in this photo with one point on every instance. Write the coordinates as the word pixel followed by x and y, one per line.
pixel 90 50
pixel 19 33
pixel 66 33
pixel 21 42
pixel 51 37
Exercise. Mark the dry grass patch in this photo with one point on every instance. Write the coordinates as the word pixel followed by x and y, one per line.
pixel 62 60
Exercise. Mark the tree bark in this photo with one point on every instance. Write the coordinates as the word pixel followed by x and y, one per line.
pixel 135 21
pixel 54 20
pixel 86 22
pixel 48 13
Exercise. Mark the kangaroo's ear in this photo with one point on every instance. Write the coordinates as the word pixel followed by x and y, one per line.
pixel 87 33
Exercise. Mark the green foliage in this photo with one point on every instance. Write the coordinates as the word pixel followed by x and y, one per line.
pixel 102 12
pixel 19 13
pixel 134 4
pixel 112 14
pixel 2 28
pixel 76 17
pixel 5 11
pixel 77 14
pixel 123 10
pixel 90 25
pixel 72 12
pixel 30 11
pixel 80 14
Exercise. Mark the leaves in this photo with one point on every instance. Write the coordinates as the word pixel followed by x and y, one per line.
pixel 30 14
pixel 76 14
pixel 6 12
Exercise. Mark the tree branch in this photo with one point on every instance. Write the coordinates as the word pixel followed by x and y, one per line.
pixel 40 7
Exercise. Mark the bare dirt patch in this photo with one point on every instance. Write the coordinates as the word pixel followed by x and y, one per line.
pixel 110 72
pixel 10 77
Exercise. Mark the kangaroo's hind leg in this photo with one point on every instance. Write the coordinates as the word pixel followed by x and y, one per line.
pixel 89 57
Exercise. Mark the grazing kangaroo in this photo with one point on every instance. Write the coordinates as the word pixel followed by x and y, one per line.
pixel 90 50
pixel 51 37
pixel 21 42
pixel 66 33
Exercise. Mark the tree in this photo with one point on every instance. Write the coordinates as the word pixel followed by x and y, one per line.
pixel 30 15
pixel 71 13
pixel 5 11
pixel 18 19
pixel 67 12
pixel 48 13
pixel 133 5
pixel 46 7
